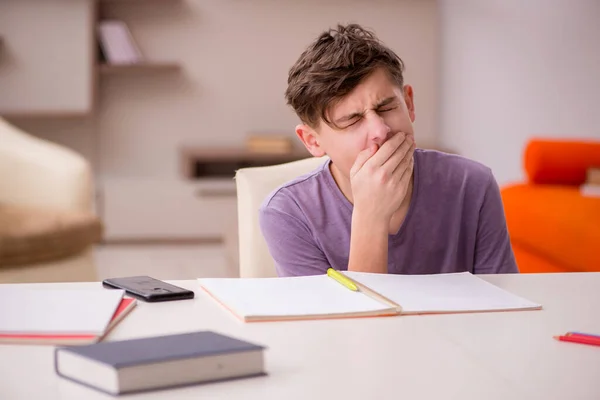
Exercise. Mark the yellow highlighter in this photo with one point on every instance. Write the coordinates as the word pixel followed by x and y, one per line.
pixel 341 278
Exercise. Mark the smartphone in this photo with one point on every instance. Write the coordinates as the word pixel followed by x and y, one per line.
pixel 148 289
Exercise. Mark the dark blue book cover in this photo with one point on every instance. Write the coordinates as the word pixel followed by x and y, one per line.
pixel 159 349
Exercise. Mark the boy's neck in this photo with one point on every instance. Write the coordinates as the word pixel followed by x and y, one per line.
pixel 342 182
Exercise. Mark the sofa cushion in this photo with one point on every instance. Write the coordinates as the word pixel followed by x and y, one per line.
pixel 530 262
pixel 31 235
pixel 560 161
pixel 555 222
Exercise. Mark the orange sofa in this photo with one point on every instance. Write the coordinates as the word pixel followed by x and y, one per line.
pixel 553 227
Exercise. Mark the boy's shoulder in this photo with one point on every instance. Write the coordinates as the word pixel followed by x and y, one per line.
pixel 300 191
pixel 444 173
pixel 449 169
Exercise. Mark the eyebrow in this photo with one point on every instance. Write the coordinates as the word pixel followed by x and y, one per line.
pixel 348 117
pixel 382 103
pixel 386 101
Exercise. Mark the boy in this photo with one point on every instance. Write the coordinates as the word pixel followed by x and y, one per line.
pixel 377 204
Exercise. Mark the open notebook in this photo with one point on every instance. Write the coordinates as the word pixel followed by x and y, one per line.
pixel 316 297
pixel 69 339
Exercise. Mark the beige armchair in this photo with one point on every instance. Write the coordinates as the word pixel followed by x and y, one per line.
pixel 47 225
pixel 253 186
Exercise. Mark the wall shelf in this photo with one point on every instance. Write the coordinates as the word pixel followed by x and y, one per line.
pixel 115 69
pixel 214 162
pixel 80 63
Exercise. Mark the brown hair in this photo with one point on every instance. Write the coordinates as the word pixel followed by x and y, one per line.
pixel 332 66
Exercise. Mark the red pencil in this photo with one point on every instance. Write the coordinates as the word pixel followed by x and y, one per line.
pixel 581 334
pixel 579 339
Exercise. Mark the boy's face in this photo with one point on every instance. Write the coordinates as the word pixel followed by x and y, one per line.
pixel 373 112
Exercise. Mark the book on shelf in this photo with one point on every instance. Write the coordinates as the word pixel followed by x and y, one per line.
pixel 275 144
pixel 158 362
pixel 117 44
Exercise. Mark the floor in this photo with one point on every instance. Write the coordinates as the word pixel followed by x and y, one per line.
pixel 167 262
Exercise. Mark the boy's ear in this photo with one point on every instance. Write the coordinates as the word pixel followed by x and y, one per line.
pixel 310 139
pixel 409 98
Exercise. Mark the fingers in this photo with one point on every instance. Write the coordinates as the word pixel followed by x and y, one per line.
pixel 407 156
pixel 404 171
pixel 387 149
pixel 400 154
pixel 362 158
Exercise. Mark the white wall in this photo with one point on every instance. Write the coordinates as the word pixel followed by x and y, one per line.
pixel 235 57
pixel 45 63
pixel 513 69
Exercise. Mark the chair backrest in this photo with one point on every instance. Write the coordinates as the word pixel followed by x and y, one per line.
pixel 253 186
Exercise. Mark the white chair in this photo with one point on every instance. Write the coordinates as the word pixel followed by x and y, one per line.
pixel 253 186
pixel 44 175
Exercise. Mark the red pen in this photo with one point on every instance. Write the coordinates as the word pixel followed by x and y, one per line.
pixel 594 341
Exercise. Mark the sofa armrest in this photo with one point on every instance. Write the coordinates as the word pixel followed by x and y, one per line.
pixel 37 172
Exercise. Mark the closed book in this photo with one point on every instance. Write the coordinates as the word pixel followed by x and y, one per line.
pixel 159 362
pixel 117 43
pixel 270 148
pixel 267 142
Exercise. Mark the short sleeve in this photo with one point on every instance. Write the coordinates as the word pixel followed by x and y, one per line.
pixel 291 244
pixel 493 251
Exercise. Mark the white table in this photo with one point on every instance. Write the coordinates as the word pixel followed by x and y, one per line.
pixel 506 355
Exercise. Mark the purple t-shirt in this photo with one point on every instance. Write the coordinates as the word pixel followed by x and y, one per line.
pixel 455 222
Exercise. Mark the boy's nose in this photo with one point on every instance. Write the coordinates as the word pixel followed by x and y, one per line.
pixel 379 131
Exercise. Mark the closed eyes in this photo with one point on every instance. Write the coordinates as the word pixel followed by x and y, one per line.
pixel 380 110
pixel 386 105
pixel 355 119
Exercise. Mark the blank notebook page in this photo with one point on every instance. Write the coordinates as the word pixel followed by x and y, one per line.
pixel 456 292
pixel 295 296
pixel 55 311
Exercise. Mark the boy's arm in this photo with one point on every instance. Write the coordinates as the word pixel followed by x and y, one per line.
pixel 493 251
pixel 291 244
pixel 368 244
pixel 380 179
